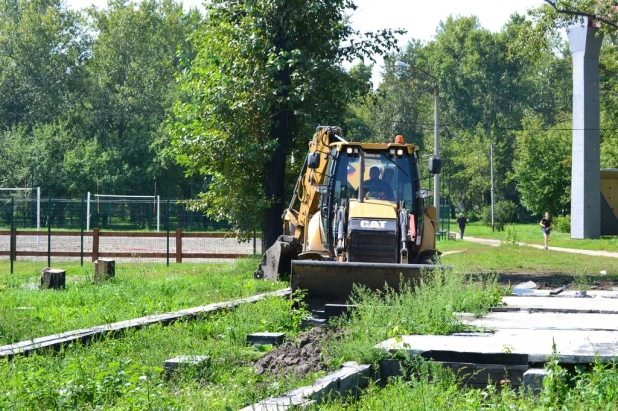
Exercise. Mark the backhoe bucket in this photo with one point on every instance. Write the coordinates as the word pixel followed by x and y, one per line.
pixel 332 282
pixel 277 259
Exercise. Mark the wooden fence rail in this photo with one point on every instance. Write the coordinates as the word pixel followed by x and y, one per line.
pixel 10 248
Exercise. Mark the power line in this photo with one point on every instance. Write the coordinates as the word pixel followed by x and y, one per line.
pixel 430 126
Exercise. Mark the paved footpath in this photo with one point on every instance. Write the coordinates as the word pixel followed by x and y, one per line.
pixel 496 243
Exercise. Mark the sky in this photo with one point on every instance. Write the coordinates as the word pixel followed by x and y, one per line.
pixel 419 17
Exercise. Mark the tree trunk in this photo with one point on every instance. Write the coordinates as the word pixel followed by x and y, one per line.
pixel 51 278
pixel 104 269
pixel 275 180
pixel 275 168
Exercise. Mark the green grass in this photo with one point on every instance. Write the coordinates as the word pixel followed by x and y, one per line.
pixel 584 391
pixel 126 373
pixel 432 388
pixel 532 234
pixel 138 290
pixel 427 308
pixel 470 257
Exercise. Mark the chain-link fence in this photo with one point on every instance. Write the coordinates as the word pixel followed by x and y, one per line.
pixel 133 229
pixel 109 214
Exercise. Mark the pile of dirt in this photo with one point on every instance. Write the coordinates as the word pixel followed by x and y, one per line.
pixel 303 355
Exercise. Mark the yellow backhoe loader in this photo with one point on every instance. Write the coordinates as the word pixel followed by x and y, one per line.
pixel 357 216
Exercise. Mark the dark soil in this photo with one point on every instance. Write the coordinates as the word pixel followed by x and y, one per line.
pixel 303 355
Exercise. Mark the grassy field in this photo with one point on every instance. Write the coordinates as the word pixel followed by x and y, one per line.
pixel 125 373
pixel 138 290
pixel 438 390
pixel 531 234
pixel 467 257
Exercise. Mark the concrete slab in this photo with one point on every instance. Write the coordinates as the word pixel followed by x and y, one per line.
pixel 265 338
pixel 280 404
pixel 524 320
pixel 574 347
pixel 312 322
pixel 533 380
pixel 575 294
pixel 346 381
pixel 528 285
pixel 530 293
pixel 116 329
pixel 174 364
pixel 583 329
pixel 523 292
pixel 603 293
pixel 598 304
pixel 472 374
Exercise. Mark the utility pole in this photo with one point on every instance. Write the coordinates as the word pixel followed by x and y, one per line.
pixel 491 168
pixel 436 149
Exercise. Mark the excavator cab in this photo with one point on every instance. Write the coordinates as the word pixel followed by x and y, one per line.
pixel 389 183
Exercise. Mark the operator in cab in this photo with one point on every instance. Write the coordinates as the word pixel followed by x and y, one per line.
pixel 377 189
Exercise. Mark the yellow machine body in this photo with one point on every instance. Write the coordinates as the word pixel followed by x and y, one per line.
pixel 357 217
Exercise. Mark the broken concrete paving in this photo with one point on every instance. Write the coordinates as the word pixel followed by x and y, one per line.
pixel 524 335
pixel 342 383
pixel 533 380
pixel 587 331
pixel 266 338
pixel 185 361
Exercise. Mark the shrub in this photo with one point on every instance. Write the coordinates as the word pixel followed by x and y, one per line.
pixel 471 216
pixel 563 224
pixel 510 235
pixel 504 212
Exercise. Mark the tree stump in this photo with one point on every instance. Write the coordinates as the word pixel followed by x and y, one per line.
pixel 104 269
pixel 53 278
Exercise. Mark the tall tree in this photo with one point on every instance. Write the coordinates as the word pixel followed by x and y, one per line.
pixel 42 48
pixel 566 12
pixel 131 89
pixel 556 14
pixel 542 166
pixel 266 74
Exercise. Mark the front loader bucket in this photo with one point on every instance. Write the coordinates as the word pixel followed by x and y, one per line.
pixel 332 282
pixel 277 259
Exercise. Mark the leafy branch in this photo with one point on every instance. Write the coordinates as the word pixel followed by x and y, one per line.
pixel 580 13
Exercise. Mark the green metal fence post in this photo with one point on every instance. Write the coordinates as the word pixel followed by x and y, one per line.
pixel 167 225
pixel 450 201
pixel 49 217
pixel 11 238
pixel 81 253
pixel 254 242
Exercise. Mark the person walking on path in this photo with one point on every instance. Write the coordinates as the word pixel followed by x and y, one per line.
pixel 546 226
pixel 461 222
